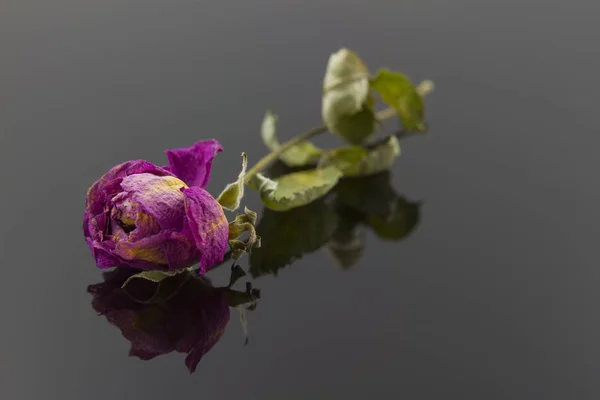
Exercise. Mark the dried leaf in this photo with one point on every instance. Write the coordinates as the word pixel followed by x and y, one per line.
pixel 346 106
pixel 295 189
pixel 397 91
pixel 358 161
pixel 231 196
pixel 155 276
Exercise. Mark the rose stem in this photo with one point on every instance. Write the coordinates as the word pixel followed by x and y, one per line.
pixel 271 157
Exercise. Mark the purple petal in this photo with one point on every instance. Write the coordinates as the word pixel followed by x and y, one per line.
pixel 102 255
pixel 126 209
pixel 192 165
pixel 159 196
pixel 109 184
pixel 143 252
pixel 208 225
pixel 167 250
pixel 181 251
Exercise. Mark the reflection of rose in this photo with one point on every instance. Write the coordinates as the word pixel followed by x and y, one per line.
pixel 188 314
pixel 143 216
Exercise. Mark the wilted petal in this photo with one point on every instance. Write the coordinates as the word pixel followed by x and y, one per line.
pixel 128 212
pixel 109 184
pixel 102 255
pixel 159 196
pixel 181 251
pixel 146 253
pixel 192 164
pixel 208 225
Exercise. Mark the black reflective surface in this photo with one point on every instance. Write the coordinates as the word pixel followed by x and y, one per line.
pixel 493 295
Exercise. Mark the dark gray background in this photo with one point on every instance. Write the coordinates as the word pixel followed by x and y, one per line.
pixel 495 296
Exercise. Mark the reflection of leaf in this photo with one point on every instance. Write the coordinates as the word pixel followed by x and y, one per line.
pixel 153 276
pixel 295 189
pixel 289 235
pixel 347 243
pixel 346 104
pixel 359 202
pixel 372 195
pixel 389 215
pixel 301 154
pixel 399 224
pixel 359 161
pixel 398 91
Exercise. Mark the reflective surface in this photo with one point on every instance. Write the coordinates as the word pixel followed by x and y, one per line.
pixel 493 295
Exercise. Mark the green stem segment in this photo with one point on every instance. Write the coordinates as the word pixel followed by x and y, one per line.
pixel 271 157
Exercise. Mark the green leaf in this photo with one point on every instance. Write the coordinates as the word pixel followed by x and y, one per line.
pixel 397 91
pixel 355 128
pixel 359 161
pixel 346 159
pixel 231 196
pixel 346 106
pixel 400 223
pixel 301 154
pixel 154 276
pixel 295 189
pixel 290 235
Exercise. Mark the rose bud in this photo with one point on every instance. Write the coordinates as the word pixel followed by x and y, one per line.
pixel 142 216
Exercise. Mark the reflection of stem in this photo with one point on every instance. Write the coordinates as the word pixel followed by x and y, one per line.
pixel 271 157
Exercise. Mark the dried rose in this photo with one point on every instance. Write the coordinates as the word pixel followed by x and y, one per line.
pixel 142 216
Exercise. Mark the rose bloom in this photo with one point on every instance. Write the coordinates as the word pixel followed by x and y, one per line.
pixel 142 216
pixel 185 314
